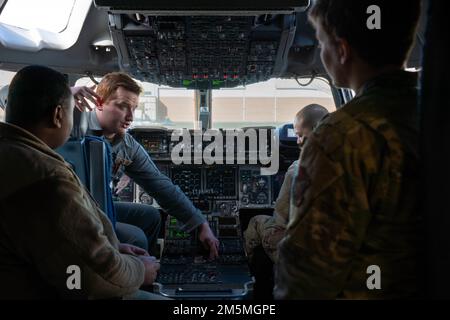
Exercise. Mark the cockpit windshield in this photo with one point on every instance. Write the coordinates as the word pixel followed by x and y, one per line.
pixel 270 103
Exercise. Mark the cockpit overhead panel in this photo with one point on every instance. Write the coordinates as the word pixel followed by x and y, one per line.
pixel 201 45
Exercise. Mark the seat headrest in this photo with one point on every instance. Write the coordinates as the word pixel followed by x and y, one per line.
pixel 80 124
pixel 286 134
pixel 3 96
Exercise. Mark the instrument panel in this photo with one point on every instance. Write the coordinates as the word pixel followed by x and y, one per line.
pixel 219 187
pixel 219 191
pixel 187 272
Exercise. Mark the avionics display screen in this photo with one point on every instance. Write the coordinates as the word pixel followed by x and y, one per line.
pixel 227 220
pixel 228 232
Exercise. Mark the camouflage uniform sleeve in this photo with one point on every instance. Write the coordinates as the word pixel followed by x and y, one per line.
pixel 330 213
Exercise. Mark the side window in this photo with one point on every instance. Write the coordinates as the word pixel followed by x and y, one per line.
pixel 34 25
pixel 5 79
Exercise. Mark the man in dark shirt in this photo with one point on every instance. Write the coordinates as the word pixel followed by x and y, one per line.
pixel 116 97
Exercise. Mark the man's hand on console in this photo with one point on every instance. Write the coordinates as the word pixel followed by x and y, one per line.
pixel 208 240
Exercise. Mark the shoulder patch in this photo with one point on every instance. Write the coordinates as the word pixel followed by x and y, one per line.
pixel 317 171
pixel 302 183
pixel 341 128
pixel 331 131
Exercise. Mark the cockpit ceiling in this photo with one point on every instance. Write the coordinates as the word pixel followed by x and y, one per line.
pixel 203 7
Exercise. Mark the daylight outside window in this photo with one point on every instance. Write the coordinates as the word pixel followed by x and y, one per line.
pixel 271 103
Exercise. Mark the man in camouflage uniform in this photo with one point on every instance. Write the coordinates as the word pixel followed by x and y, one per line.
pixel 269 230
pixel 356 195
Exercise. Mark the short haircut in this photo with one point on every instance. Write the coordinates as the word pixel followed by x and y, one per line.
pixel 347 19
pixel 110 82
pixel 34 93
pixel 311 114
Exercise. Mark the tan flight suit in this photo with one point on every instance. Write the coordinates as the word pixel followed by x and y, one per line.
pixel 269 230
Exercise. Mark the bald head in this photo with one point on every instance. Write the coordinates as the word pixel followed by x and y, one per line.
pixel 306 119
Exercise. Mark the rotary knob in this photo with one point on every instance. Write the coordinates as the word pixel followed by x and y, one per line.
pixel 261 198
